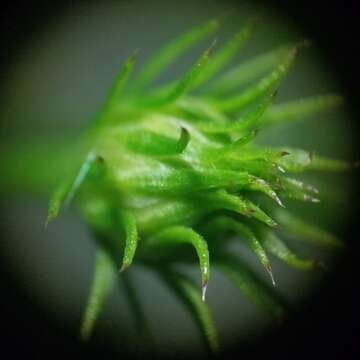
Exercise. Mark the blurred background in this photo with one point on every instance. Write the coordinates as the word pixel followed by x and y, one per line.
pixel 58 65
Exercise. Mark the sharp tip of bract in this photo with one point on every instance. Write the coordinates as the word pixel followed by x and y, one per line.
pixel 279 202
pixel 269 270
pixel 184 131
pixel 133 56
pixel 311 199
pixel 305 43
pixel 203 291
pixel 312 189
pixel 280 168
pixel 275 197
pixel 210 50
pixel 298 47
pixel 48 220
pixel 273 224
pixel 124 266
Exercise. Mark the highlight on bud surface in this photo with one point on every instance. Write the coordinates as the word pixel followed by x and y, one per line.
pixel 170 174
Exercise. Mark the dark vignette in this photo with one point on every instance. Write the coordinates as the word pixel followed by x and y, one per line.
pixel 316 330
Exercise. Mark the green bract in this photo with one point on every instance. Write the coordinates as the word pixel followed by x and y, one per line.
pixel 177 164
